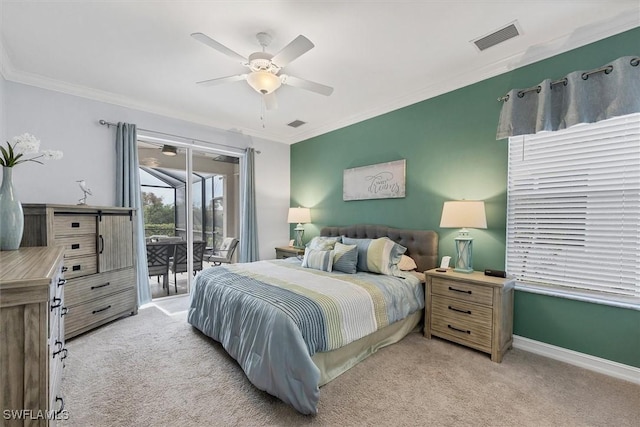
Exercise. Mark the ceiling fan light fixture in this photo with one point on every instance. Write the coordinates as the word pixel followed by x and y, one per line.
pixel 263 82
pixel 169 150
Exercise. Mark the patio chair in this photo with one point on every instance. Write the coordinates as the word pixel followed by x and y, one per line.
pixel 158 255
pixel 179 263
pixel 225 252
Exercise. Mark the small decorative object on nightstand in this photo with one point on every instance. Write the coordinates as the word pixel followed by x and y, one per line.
pixel 471 309
pixel 288 251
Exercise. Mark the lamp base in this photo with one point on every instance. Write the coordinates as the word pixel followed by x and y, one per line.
pixel 299 231
pixel 464 246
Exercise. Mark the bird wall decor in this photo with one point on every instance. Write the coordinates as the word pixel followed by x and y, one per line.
pixel 85 191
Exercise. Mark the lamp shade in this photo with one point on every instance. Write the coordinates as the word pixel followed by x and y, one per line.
pixel 263 81
pixel 299 216
pixel 463 214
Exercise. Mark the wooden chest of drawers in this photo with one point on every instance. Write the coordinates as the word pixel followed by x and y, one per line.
pixel 98 255
pixel 471 309
pixel 32 343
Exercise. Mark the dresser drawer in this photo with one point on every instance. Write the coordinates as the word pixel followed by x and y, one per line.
pixel 77 245
pixel 469 322
pixel 80 316
pixel 64 225
pixel 81 266
pixel 86 289
pixel 463 291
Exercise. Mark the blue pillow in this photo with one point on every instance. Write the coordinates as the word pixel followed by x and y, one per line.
pixel 345 258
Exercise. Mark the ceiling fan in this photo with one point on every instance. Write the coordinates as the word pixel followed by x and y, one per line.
pixel 265 68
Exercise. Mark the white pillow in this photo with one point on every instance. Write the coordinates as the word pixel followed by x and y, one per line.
pixel 407 263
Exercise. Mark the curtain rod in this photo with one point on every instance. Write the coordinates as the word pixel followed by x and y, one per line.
pixel 606 69
pixel 109 124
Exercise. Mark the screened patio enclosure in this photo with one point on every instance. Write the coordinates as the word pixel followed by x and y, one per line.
pixel 165 209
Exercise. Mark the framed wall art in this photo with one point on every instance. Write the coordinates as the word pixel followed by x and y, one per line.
pixel 380 181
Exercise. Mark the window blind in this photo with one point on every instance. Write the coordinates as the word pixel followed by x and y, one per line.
pixel 573 209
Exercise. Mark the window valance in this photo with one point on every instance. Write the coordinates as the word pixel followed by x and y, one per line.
pixel 580 97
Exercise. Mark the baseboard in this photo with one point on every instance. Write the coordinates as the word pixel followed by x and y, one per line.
pixel 593 363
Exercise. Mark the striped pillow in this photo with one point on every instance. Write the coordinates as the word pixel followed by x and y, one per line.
pixel 319 260
pixel 345 258
pixel 377 255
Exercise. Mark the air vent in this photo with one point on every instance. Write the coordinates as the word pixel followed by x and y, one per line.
pixel 497 37
pixel 226 159
pixel 296 123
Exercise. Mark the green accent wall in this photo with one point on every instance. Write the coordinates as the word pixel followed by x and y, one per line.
pixel 451 151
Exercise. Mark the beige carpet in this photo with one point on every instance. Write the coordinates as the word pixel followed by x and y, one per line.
pixel 156 370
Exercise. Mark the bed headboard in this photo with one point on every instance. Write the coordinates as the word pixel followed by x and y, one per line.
pixel 422 245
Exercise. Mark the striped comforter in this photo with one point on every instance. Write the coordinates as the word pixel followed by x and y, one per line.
pixel 272 316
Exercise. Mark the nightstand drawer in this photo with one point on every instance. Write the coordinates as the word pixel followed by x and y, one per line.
pixel 468 322
pixel 463 291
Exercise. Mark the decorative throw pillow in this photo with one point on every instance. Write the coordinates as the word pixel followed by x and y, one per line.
pixel 323 243
pixel 345 258
pixel 407 263
pixel 319 260
pixel 377 255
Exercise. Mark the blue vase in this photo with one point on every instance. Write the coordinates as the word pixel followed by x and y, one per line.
pixel 11 216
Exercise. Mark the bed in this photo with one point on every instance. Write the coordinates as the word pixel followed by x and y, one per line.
pixel 293 329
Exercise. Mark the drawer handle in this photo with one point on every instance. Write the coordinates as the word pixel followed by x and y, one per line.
pixel 75 225
pixel 65 353
pixel 64 311
pixel 459 330
pixel 57 302
pixel 62 282
pixel 460 311
pixel 61 400
pixel 100 286
pixel 459 290
pixel 64 269
pixel 59 344
pixel 76 267
pixel 102 309
pixel 55 353
pixel 75 246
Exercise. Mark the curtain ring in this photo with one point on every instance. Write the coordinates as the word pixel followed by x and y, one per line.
pixel 538 89
pixel 520 94
pixel 635 61
pixel 585 76
pixel 504 98
pixel 609 69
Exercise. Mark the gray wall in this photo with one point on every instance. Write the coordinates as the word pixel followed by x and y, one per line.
pixel 70 123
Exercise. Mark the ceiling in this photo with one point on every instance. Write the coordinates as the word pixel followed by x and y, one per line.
pixel 377 55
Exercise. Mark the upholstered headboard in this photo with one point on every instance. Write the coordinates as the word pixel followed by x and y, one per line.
pixel 422 245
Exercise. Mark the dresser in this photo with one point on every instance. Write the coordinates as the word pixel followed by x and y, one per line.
pixel 288 251
pixel 32 343
pixel 470 309
pixel 99 257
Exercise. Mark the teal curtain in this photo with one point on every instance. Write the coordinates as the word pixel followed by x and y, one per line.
pixel 248 222
pixel 129 195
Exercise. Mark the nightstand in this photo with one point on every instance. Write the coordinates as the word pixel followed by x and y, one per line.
pixel 288 251
pixel 470 309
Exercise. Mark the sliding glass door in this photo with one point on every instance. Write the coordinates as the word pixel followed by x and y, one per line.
pixel 190 200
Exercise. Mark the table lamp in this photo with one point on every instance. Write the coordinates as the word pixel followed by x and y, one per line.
pixel 300 216
pixel 463 214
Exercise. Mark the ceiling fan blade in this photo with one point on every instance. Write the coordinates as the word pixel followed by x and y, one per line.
pixel 270 101
pixel 307 85
pixel 203 38
pixel 220 80
pixel 296 48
